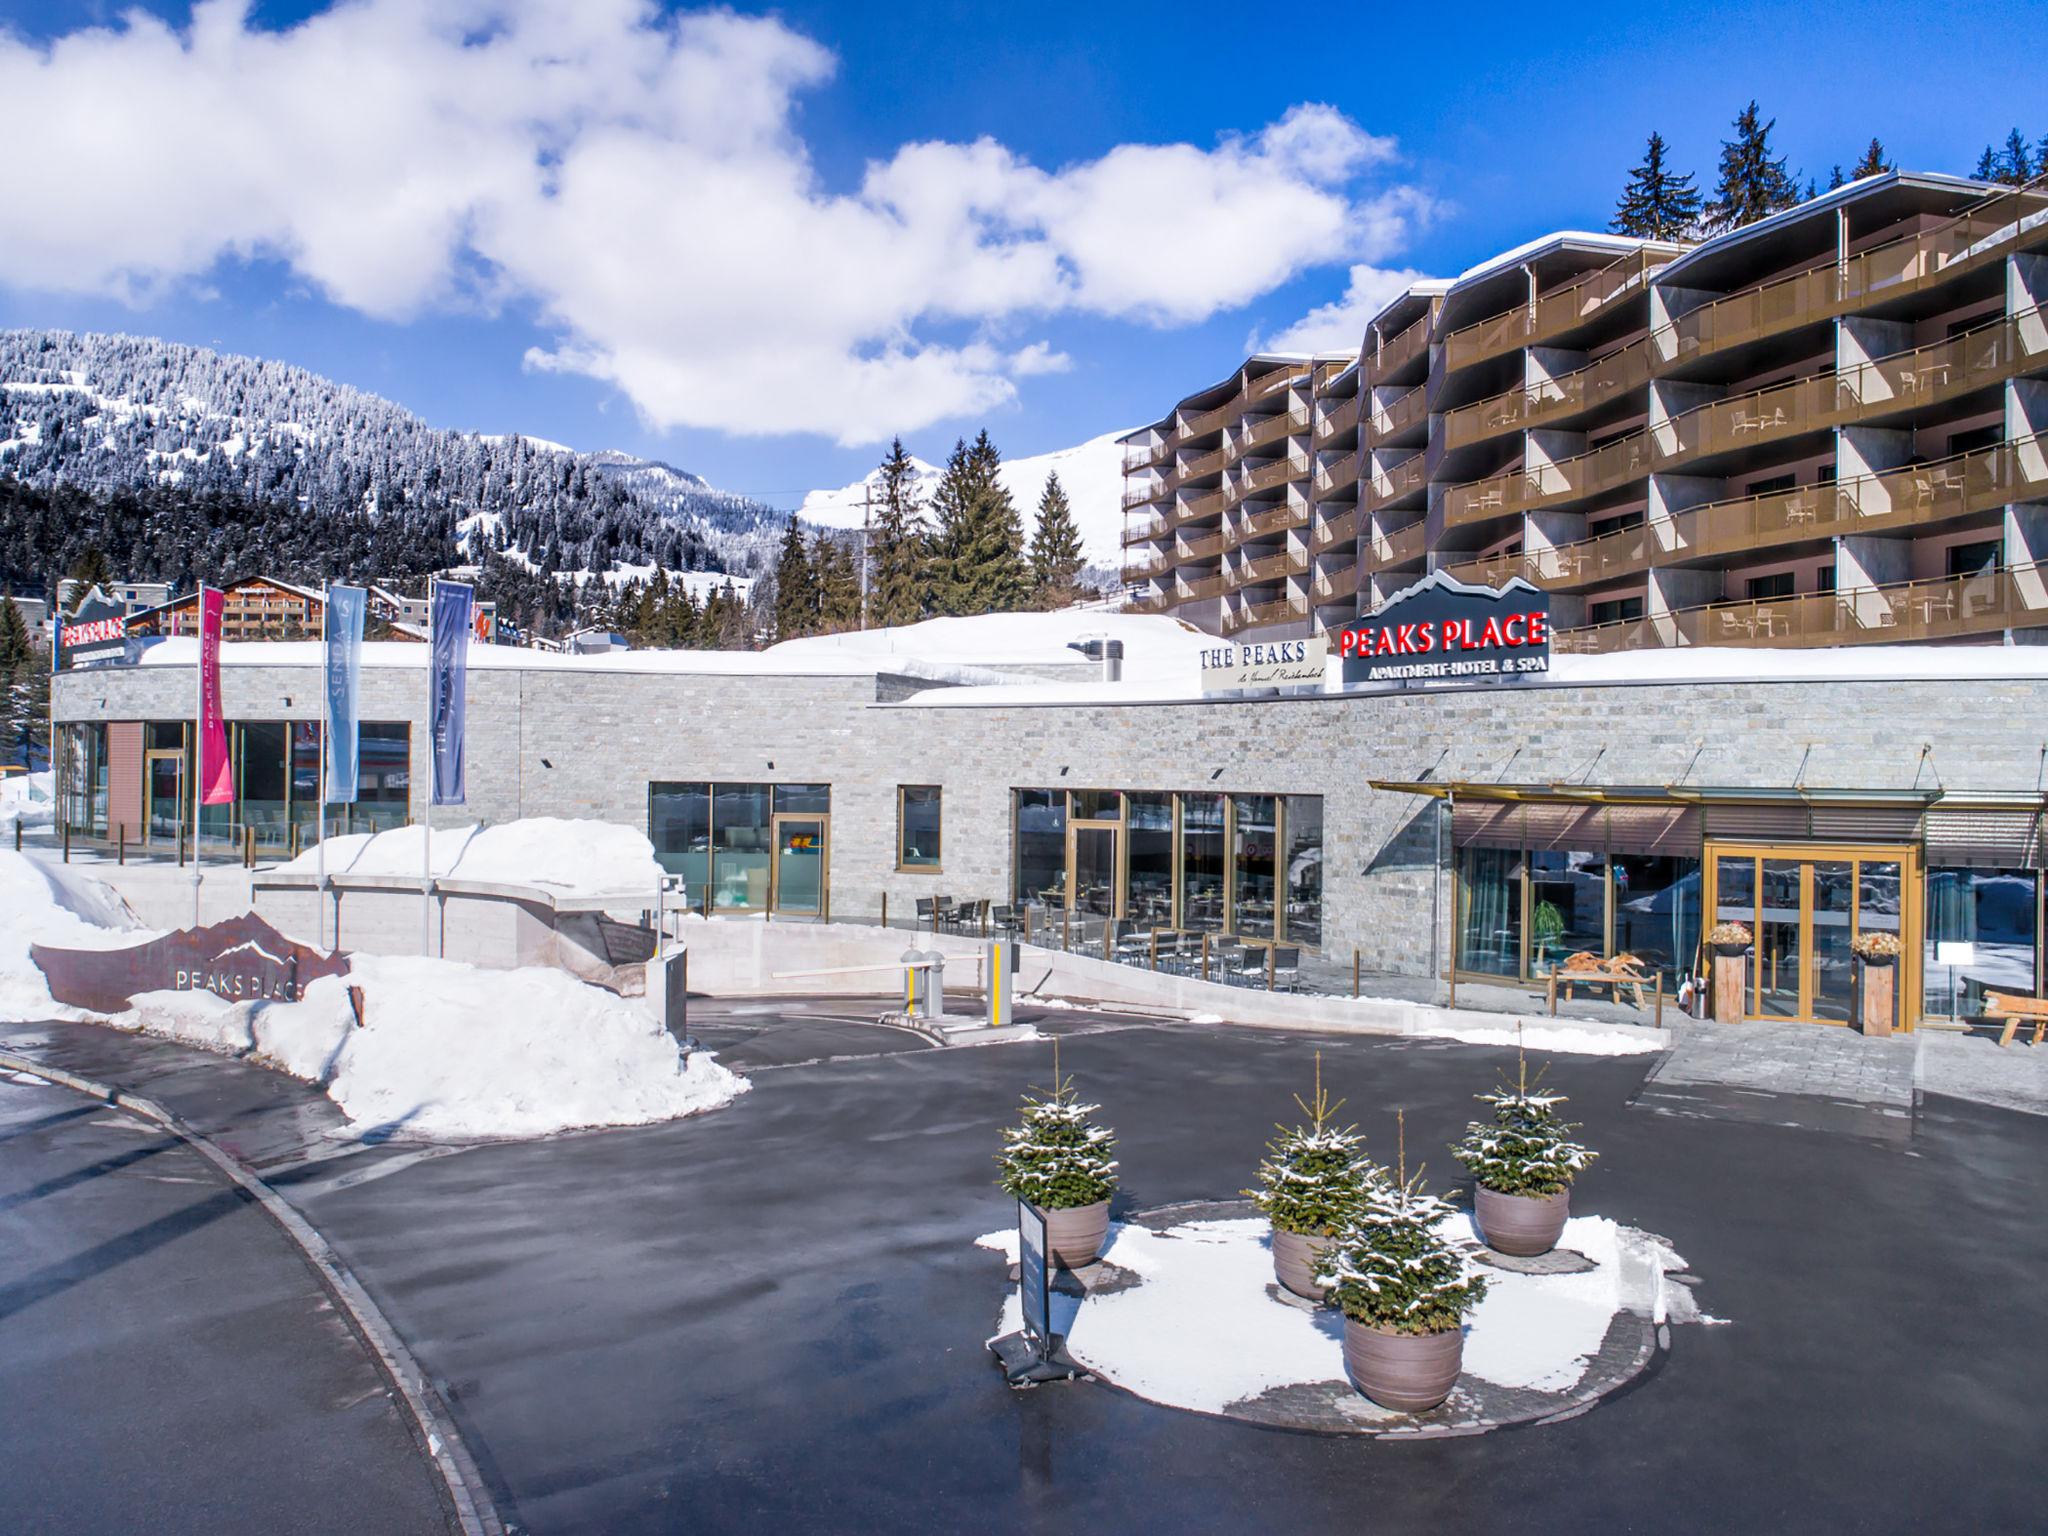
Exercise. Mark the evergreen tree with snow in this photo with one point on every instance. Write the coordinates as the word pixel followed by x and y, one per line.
pixel 1314 1177
pixel 896 545
pixel 89 570
pixel 977 561
pixel 1873 162
pixel 1657 204
pixel 838 580
pixel 1754 182
pixel 1392 1267
pixel 796 586
pixel 1056 557
pixel 1527 1149
pixel 1057 1157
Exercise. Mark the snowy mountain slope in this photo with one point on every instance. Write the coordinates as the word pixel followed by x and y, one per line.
pixel 1092 472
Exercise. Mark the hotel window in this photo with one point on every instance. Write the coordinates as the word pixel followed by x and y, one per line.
pixel 1150 860
pixel 1979 559
pixel 1490 925
pixel 1976 439
pixel 1824 579
pixel 1615 610
pixel 917 827
pixel 1763 589
pixel 1567 906
pixel 1304 872
pixel 1770 485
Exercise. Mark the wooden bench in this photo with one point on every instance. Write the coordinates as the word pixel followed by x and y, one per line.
pixel 1618 981
pixel 2015 1010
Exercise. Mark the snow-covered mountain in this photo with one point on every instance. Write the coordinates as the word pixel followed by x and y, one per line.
pixel 1092 472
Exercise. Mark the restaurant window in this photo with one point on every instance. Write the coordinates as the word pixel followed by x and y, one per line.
pixel 740 836
pixel 305 776
pixel 1567 907
pixel 1992 911
pixel 1304 871
pixel 1097 805
pixel 83 785
pixel 260 779
pixel 803 799
pixel 1254 846
pixel 1150 859
pixel 1201 863
pixel 1042 846
pixel 679 826
pixel 383 776
pixel 917 827
pixel 1657 912
pixel 1490 926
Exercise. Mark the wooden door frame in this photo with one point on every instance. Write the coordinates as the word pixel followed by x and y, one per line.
pixel 150 756
pixel 1911 874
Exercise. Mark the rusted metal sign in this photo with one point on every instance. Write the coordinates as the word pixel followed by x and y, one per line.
pixel 241 960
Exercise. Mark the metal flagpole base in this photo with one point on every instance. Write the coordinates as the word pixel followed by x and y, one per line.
pixel 1024 1364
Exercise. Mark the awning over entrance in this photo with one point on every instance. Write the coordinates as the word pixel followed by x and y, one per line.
pixel 1710 794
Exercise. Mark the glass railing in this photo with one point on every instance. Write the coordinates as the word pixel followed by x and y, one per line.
pixel 1254 480
pixel 1267 429
pixel 1947 609
pixel 1273 567
pixel 1386 486
pixel 1553 313
pixel 1271 520
pixel 1155 602
pixel 1393 417
pixel 1141 495
pixel 1979 236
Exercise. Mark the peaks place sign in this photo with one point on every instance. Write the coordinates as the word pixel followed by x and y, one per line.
pixel 1441 629
pixel 242 960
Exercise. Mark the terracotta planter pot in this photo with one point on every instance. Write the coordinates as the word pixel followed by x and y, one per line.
pixel 1074 1237
pixel 1294 1262
pixel 1522 1225
pixel 1408 1372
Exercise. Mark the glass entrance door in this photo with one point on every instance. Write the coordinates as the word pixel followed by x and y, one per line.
pixel 163 784
pixel 800 865
pixel 1091 856
pixel 1805 909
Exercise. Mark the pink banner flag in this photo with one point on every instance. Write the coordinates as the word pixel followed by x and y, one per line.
pixel 216 773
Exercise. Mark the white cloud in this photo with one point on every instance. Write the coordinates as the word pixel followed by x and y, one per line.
pixel 1339 326
pixel 639 179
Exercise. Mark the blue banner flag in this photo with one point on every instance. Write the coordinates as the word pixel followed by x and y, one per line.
pixel 447 690
pixel 344 665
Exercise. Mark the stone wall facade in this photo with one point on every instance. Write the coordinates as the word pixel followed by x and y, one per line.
pixel 548 740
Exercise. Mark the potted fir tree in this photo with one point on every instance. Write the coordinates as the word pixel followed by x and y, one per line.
pixel 1524 1164
pixel 1310 1186
pixel 1404 1292
pixel 1057 1159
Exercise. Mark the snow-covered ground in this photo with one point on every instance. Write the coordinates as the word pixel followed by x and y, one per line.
pixel 1092 473
pixel 1156 649
pixel 27 798
pixel 444 1050
pixel 1213 1280
pixel 569 857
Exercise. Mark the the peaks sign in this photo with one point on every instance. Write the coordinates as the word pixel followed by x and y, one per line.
pixel 1440 629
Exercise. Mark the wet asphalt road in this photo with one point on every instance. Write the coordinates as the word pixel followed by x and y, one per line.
pixel 168 1363
pixel 770 1318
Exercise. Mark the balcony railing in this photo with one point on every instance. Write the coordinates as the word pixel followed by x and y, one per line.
pixel 1268 429
pixel 1202 423
pixel 1950 609
pixel 1143 495
pixel 1254 479
pixel 1197 509
pixel 1147 455
pixel 1333 531
pixel 1403 546
pixel 1553 313
pixel 1146 529
pixel 1556 399
pixel 1384 487
pixel 1395 353
pixel 1253 615
pixel 1203 464
pixel 1205 548
pixel 1977 237
pixel 1338 419
pixel 1157 602
pixel 1610 465
pixel 1335 471
pixel 1338 586
pixel 1185 591
pixel 1393 417
pixel 1611 557
pixel 1274 567
pixel 1147 565
pixel 1266 521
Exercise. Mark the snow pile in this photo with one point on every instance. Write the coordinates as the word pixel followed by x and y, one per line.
pixel 449 1050
pixel 1213 1279
pixel 44 904
pixel 577 858
pixel 1566 1039
pixel 28 798
pixel 1155 648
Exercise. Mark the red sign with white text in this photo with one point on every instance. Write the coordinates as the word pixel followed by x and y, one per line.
pixel 1441 629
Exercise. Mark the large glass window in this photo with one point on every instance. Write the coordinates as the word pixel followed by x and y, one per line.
pixel 720 838
pixel 1202 863
pixel 1567 907
pixel 305 768
pixel 1097 805
pixel 260 779
pixel 917 827
pixel 740 845
pixel 1305 870
pixel 1042 846
pixel 679 826
pixel 383 775
pixel 1253 850
pixel 815 799
pixel 1657 912
pixel 1490 925
pixel 1992 913
pixel 1151 860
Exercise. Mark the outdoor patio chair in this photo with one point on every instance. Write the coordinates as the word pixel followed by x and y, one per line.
pixel 1286 967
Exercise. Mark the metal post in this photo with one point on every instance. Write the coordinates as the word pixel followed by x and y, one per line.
pixel 199 744
pixel 1000 953
pixel 1269 967
pixel 67 839
pixel 320 828
pixel 1354 973
pixel 1066 926
pixel 427 843
pixel 121 842
pixel 1660 999
pixel 1205 957
pixel 885 909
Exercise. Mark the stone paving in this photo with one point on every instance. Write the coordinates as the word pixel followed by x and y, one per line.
pixel 1809 1059
pixel 1975 1067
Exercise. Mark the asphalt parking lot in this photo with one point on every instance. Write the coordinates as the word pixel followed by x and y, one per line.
pixel 771 1317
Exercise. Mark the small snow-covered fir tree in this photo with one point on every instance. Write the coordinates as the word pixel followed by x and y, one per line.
pixel 1527 1150
pixel 1057 1158
pixel 1314 1177
pixel 1392 1268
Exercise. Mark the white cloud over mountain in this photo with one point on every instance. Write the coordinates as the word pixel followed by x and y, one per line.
pixel 640 180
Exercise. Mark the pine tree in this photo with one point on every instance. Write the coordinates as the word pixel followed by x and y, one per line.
pixel 1056 558
pixel 1987 165
pixel 838 579
pixel 1754 182
pixel 1836 178
pixel 20 670
pixel 896 552
pixel 1656 205
pixel 977 562
pixel 1527 1150
pixel 89 570
pixel 796 587
pixel 2014 164
pixel 1873 162
pixel 1314 1177
pixel 1057 1158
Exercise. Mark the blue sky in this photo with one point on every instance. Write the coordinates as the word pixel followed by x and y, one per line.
pixel 1506 125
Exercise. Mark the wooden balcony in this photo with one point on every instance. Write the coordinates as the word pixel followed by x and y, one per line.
pixel 1197 509
pixel 1611 557
pixel 1336 586
pixel 1401 414
pixel 1201 587
pixel 1147 455
pixel 1207 547
pixel 1956 608
pixel 1606 467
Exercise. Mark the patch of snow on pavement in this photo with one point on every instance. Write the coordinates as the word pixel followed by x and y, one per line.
pixel 1574 1040
pixel 29 799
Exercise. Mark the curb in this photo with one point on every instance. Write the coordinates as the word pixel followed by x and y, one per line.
pixel 474 1509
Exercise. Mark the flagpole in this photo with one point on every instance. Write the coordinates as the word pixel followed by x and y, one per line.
pixel 326 731
pixel 427 862
pixel 198 738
